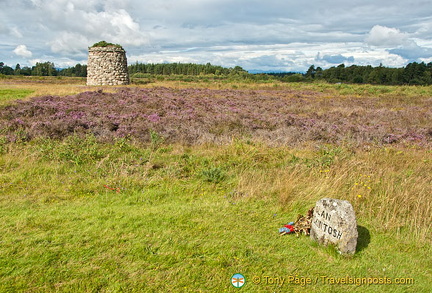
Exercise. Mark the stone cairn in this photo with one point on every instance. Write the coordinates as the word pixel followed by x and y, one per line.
pixel 107 65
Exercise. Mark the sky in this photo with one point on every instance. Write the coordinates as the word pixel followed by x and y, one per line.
pixel 267 35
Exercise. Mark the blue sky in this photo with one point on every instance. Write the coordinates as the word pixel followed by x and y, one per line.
pixel 275 35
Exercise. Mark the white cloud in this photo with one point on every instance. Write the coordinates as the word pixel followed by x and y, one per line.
pixel 125 30
pixel 78 21
pixel 382 36
pixel 412 52
pixel 22 51
pixel 34 61
pixel 424 28
pixel 273 34
pixel 334 59
pixel 69 43
pixel 399 43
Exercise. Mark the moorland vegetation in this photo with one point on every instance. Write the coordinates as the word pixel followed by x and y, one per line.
pixel 175 186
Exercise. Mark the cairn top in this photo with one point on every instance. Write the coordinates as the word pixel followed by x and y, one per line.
pixel 103 44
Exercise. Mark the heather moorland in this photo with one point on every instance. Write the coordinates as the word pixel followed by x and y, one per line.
pixel 175 186
pixel 194 116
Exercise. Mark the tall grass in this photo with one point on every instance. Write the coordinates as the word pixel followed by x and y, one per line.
pixel 389 188
pixel 82 215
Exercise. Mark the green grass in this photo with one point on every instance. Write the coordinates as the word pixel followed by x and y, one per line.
pixel 83 216
pixel 8 95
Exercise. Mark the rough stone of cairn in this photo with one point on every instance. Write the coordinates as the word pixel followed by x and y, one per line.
pixel 107 66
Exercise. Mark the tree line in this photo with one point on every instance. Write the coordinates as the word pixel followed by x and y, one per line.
pixel 412 74
pixel 44 69
pixel 48 69
pixel 183 69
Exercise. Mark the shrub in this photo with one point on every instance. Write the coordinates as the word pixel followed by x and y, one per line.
pixel 105 44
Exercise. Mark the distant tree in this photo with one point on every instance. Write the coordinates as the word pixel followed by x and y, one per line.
pixel 26 71
pixel 331 74
pixel 238 69
pixel 6 70
pixel 396 76
pixel 318 72
pixel 310 73
pixel 417 74
pixel 341 72
pixel 80 70
pixel 18 69
pixel 358 79
pixel 374 77
pixel 44 69
pixel 293 78
pixel 184 69
pixel 76 71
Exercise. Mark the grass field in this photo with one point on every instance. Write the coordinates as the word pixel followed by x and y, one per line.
pixel 86 212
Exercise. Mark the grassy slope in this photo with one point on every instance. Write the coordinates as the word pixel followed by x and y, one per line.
pixel 7 95
pixel 175 221
pixel 187 218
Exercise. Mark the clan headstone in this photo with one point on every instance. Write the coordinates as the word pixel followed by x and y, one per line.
pixel 334 222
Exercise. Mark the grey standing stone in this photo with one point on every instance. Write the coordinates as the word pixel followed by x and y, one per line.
pixel 334 222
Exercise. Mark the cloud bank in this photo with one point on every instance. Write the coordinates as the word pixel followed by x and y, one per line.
pixel 272 35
